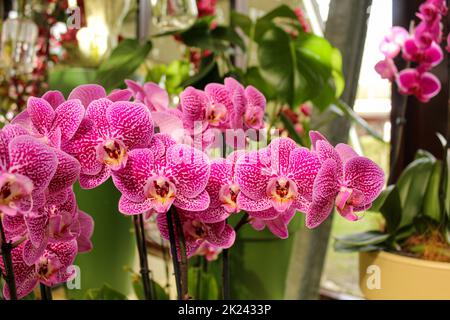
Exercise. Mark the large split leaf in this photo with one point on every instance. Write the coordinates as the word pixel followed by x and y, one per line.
pixel 122 63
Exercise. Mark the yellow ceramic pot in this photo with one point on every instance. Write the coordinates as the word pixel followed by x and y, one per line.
pixel 387 276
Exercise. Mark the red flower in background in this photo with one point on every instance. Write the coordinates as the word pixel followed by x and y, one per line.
pixel 206 7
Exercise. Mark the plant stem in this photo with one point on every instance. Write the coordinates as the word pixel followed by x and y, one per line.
pixel 225 252
pixel 46 292
pixel 173 250
pixel 400 122
pixel 244 220
pixel 182 248
pixel 7 262
pixel 138 222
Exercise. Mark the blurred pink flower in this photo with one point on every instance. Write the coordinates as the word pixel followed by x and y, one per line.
pixel 393 42
pixel 423 86
pixel 386 69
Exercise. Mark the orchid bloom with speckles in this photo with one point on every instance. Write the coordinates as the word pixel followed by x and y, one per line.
pixel 176 175
pixel 51 268
pixel 27 167
pixel 345 180
pixel 276 179
pixel 109 131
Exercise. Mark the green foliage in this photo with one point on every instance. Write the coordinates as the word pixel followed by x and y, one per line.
pixel 104 293
pixel 174 74
pixel 411 206
pixel 202 285
pixel 122 63
pixel 158 292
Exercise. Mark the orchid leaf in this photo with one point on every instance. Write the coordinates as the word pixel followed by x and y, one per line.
pixel 159 293
pixel 392 210
pixel 202 285
pixel 104 293
pixel 363 238
pixel 412 186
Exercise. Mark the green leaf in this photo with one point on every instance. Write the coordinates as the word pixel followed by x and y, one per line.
pixel 412 186
pixel 363 238
pixel 104 293
pixel 266 22
pixel 242 21
pixel 431 205
pixel 253 77
pixel 203 73
pixel 392 210
pixel 293 68
pixel 345 247
pixel 159 293
pixel 349 112
pixel 227 34
pixel 379 201
pixel 424 154
pixel 202 285
pixel 122 63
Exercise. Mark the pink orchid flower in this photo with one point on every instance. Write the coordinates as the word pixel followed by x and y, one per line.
pixel 278 226
pixel 222 189
pixel 56 222
pixel 447 47
pixel 105 137
pixel 345 181
pixel 150 94
pixel 26 168
pixel 425 34
pixel 427 57
pixel 429 12
pixel 386 69
pixel 87 93
pixel 51 269
pixel 53 125
pixel 249 105
pixel 211 108
pixel 422 85
pixel 155 182
pixel 276 179
pixel 393 42
pixel 207 250
pixel 197 232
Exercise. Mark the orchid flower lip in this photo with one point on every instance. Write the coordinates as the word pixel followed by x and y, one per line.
pixel 161 191
pixel 113 153
pixel 282 192
pixel 14 187
pixel 195 229
pixel 228 195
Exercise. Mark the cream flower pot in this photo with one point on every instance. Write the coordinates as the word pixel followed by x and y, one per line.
pixel 387 276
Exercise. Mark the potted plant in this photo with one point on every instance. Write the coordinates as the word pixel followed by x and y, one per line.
pixel 409 256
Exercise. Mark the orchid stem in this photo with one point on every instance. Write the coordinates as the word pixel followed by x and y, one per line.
pixel 173 250
pixel 46 292
pixel 143 259
pixel 400 123
pixel 7 262
pixel 244 220
pixel 182 248
pixel 225 252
